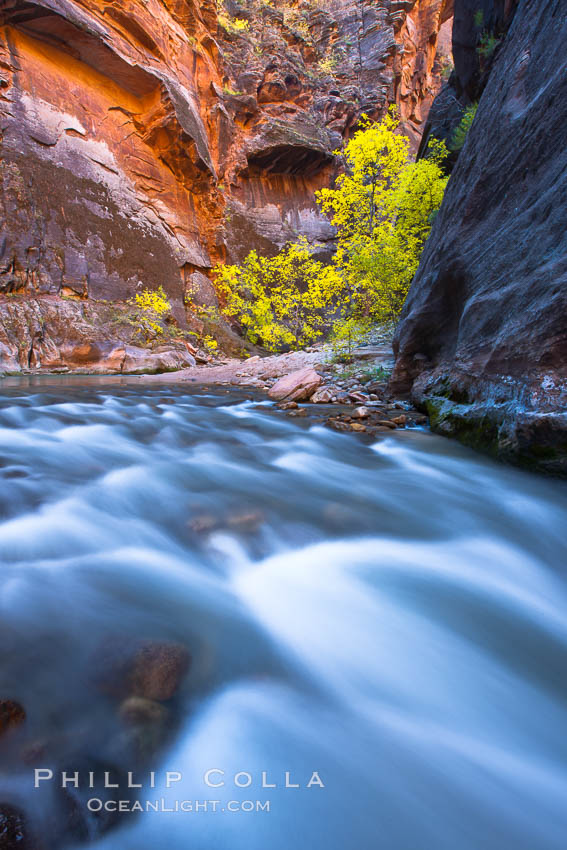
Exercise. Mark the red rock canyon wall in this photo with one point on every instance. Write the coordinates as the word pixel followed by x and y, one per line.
pixel 142 143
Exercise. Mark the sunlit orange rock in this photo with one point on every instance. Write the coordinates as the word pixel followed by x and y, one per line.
pixel 143 143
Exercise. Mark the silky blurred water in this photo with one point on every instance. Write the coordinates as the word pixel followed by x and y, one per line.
pixel 390 614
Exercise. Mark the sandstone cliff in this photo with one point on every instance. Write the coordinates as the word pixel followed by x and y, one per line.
pixel 483 343
pixel 142 141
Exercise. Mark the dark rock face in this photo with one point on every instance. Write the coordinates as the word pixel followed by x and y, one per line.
pixel 479 28
pixel 482 343
pixel 473 19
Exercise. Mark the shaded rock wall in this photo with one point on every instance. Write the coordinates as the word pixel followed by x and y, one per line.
pixel 295 87
pixel 141 142
pixel 478 31
pixel 483 338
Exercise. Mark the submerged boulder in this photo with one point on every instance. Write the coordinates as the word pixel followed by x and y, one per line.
pixel 12 714
pixel 158 669
pixel 152 670
pixel 14 832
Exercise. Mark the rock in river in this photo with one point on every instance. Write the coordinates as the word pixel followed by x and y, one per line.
pixel 12 714
pixel 153 670
pixel 13 829
pixel 136 711
pixel 360 413
pixel 158 670
pixel 324 395
pixel 297 386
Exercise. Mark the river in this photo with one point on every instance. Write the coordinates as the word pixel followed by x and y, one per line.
pixel 389 617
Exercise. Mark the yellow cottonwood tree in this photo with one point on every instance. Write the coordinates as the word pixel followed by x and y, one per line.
pixel 383 207
pixel 151 305
pixel 279 301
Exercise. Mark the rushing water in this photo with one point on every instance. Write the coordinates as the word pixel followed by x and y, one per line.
pixel 392 615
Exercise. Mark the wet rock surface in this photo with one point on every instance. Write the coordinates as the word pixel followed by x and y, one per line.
pixel 12 715
pixel 147 670
pixel 14 830
pixel 157 670
pixel 382 418
pixel 482 345
pixel 121 714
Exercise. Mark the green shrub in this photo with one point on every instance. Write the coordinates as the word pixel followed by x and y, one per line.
pixel 461 131
pixel 346 335
pixel 150 306
pixel 447 68
pixel 328 65
pixel 376 373
pixel 233 26
pixel 488 44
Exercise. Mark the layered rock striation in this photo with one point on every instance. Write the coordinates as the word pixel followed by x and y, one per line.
pixel 144 141
pixel 106 168
pixel 482 343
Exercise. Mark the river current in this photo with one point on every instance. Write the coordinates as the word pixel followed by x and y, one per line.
pixel 389 617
